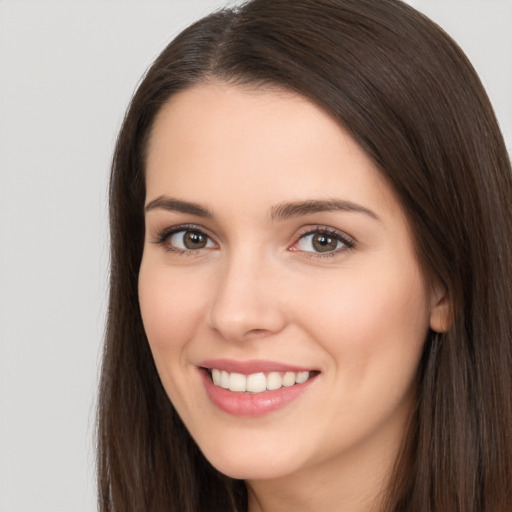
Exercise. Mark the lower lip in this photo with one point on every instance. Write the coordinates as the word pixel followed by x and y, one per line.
pixel 252 404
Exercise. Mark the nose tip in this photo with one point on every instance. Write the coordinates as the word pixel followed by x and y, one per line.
pixel 242 323
pixel 246 306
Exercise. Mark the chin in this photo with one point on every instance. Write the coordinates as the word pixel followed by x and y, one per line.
pixel 255 464
pixel 252 470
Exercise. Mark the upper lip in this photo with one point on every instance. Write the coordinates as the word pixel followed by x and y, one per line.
pixel 252 366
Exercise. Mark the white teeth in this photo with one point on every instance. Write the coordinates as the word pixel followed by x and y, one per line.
pixel 302 377
pixel 237 382
pixel 224 379
pixel 216 376
pixel 274 380
pixel 257 382
pixel 289 379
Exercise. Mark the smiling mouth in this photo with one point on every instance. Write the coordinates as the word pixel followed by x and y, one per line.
pixel 257 382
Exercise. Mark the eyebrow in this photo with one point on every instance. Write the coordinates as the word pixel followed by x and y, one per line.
pixel 299 208
pixel 281 211
pixel 176 205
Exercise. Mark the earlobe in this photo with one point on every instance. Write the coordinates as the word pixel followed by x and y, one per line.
pixel 440 313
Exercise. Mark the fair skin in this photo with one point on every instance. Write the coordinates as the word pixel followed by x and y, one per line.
pixel 329 286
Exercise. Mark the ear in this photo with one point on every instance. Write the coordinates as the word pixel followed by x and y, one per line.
pixel 440 310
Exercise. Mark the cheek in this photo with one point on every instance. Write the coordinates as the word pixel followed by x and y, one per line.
pixel 169 316
pixel 371 323
pixel 373 329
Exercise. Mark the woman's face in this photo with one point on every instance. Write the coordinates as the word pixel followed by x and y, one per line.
pixel 278 259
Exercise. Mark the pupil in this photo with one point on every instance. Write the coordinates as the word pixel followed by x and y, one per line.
pixel 194 240
pixel 324 243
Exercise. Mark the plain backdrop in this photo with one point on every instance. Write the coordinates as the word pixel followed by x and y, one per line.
pixel 67 71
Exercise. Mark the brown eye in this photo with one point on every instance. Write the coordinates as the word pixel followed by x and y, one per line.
pixel 194 240
pixel 190 240
pixel 323 242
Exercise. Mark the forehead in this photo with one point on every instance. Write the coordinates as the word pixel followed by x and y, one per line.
pixel 216 139
pixel 242 117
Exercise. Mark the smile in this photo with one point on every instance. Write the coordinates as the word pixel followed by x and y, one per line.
pixel 257 382
pixel 254 388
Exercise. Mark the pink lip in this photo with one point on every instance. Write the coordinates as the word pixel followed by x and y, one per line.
pixel 248 367
pixel 249 404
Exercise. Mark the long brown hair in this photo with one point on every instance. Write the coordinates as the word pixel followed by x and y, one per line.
pixel 411 99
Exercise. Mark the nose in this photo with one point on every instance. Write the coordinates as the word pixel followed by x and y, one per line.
pixel 247 302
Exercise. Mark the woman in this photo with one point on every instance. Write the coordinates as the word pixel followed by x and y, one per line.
pixel 311 271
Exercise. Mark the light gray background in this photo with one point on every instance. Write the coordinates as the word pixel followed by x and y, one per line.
pixel 67 71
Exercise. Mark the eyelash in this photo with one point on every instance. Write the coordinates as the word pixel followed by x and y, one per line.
pixel 339 236
pixel 163 237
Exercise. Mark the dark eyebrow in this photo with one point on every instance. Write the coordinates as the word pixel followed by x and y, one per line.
pixel 176 205
pixel 278 212
pixel 299 208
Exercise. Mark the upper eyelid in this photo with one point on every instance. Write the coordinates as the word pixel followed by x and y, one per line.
pixel 185 227
pixel 308 230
